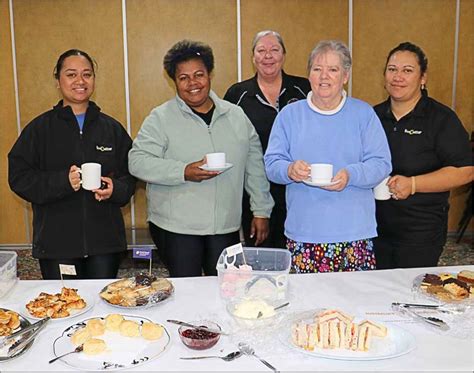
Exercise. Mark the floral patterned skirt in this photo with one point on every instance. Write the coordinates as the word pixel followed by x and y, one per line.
pixel 331 257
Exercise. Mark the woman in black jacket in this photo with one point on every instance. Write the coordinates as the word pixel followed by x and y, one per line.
pixel 71 225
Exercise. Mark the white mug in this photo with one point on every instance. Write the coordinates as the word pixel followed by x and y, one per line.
pixel 215 160
pixel 90 175
pixel 381 191
pixel 321 172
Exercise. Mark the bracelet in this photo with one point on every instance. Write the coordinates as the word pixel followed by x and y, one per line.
pixel 413 185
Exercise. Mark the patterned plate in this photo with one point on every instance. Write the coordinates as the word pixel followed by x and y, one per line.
pixel 121 353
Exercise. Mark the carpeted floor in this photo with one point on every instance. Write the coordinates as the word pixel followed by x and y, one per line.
pixel 28 268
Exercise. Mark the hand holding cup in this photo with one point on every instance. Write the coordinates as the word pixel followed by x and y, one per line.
pixel 192 172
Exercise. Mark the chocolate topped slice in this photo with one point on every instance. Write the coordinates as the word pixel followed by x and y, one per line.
pixel 457 282
pixel 431 279
pixel 144 280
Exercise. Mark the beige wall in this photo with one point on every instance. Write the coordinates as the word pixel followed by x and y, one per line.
pixel 44 29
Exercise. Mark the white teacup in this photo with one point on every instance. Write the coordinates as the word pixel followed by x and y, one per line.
pixel 381 191
pixel 90 175
pixel 321 172
pixel 215 160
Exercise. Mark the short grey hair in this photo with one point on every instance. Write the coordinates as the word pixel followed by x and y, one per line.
pixel 261 34
pixel 335 46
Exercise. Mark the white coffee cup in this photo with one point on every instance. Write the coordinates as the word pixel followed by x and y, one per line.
pixel 215 160
pixel 90 175
pixel 381 191
pixel 321 172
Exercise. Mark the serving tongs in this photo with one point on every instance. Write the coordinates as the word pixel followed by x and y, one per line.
pixel 22 337
pixel 444 308
pixel 433 321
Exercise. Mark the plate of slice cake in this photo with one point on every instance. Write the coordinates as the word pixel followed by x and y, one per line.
pixel 334 334
pixel 446 287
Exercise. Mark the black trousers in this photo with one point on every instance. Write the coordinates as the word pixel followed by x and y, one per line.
pixel 188 255
pixel 276 237
pixel 390 255
pixel 92 267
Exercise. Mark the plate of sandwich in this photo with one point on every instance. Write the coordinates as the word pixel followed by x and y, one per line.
pixel 334 334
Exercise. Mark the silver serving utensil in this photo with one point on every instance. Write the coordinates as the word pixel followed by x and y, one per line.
pixel 445 308
pixel 247 350
pixel 22 331
pixel 434 321
pixel 229 357
pixel 211 330
pixel 26 335
pixel 77 349
pixel 260 314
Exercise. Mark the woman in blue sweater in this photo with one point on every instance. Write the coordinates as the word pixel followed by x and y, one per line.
pixel 329 228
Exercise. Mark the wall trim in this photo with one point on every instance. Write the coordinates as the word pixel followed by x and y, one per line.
pixel 350 41
pixel 17 107
pixel 239 43
pixel 127 101
pixel 456 53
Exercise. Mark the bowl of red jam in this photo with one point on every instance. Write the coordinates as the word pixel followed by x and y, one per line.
pixel 199 339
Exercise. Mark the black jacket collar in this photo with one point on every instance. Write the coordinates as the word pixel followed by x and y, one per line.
pixel 254 89
pixel 65 112
pixel 418 111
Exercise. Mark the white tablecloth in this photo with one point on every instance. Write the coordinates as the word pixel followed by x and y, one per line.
pixel 369 294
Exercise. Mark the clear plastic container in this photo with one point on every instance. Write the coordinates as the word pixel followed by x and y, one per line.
pixel 254 272
pixel 8 276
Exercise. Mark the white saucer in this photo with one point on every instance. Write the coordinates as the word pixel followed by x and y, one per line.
pixel 205 167
pixel 319 183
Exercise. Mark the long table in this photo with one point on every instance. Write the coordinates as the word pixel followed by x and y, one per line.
pixel 368 294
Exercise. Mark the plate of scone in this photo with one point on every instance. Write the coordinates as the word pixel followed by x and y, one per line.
pixel 57 303
pixel 137 292
pixel 111 342
pixel 11 322
pixel 333 334
pixel 446 287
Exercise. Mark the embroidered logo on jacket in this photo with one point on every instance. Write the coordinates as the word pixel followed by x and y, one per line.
pixel 413 132
pixel 106 148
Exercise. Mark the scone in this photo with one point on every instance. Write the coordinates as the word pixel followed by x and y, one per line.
pixel 113 321
pixel 129 328
pixel 95 327
pixel 80 336
pixel 94 346
pixel 151 331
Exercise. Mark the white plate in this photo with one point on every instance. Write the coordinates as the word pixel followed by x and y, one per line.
pixel 122 352
pixel 397 342
pixel 205 167
pixel 32 294
pixel 319 183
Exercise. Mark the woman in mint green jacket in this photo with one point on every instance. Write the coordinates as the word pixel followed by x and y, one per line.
pixel 195 212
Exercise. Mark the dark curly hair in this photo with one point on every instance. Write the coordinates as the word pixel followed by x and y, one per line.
pixel 69 53
pixel 186 50
pixel 410 47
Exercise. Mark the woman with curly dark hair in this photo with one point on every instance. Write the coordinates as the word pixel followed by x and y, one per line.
pixel 194 211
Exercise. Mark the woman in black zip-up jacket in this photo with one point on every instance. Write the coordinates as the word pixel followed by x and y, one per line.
pixel 71 225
